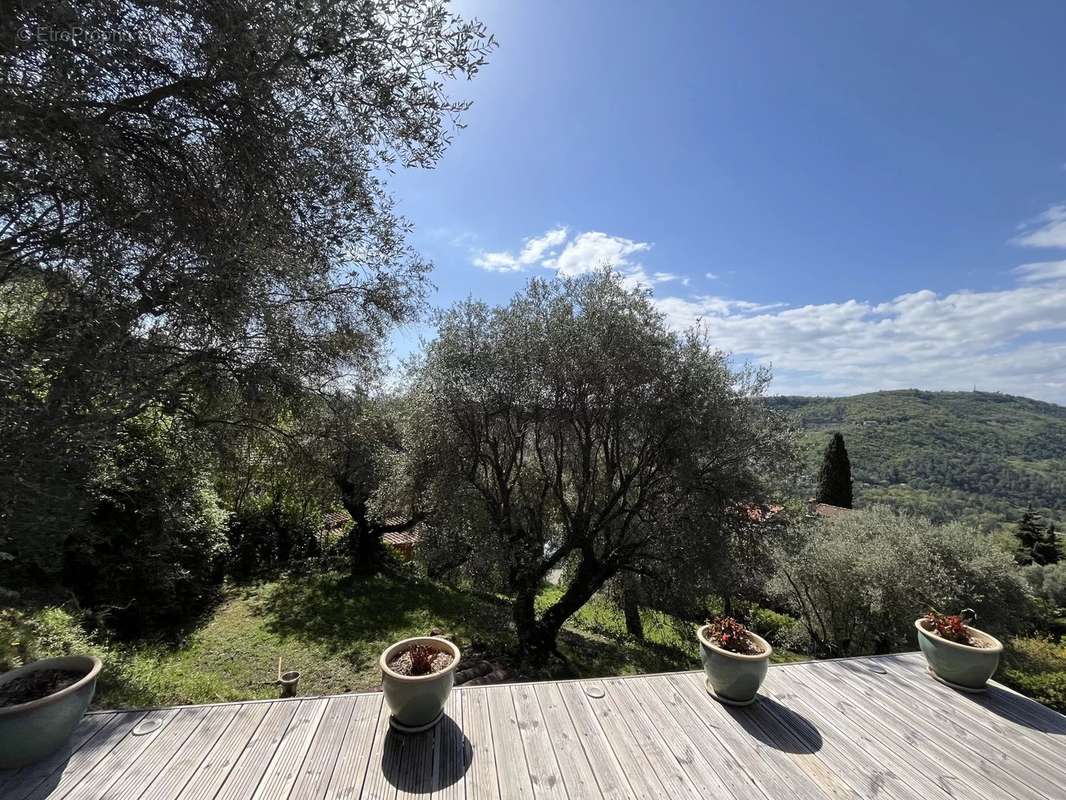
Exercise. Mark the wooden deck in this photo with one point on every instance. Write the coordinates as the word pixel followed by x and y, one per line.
pixel 854 728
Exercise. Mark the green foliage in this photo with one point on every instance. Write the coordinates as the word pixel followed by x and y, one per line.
pixel 204 239
pixel 269 533
pixel 834 477
pixel 975 457
pixel 571 428
pixel 1036 667
pixel 152 551
pixel 1048 582
pixel 1028 532
pixel 1048 548
pixel 858 581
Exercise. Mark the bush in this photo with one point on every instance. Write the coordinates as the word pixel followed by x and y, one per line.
pixel 152 551
pixel 1048 582
pixel 1037 668
pixel 859 580
pixel 266 534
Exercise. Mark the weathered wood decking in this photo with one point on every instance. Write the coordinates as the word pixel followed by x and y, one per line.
pixel 858 728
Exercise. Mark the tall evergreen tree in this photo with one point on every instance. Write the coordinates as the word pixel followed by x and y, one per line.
pixel 1029 535
pixel 1046 550
pixel 834 478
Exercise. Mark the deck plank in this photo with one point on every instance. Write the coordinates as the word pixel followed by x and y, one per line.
pixel 515 781
pixel 544 771
pixel 126 753
pixel 609 774
pixel 372 782
pixel 145 769
pixel 1003 731
pixel 452 756
pixel 692 742
pixel 482 781
pixel 243 780
pixel 284 768
pixel 575 763
pixel 317 768
pixel 224 753
pixel 905 743
pixel 81 763
pixel 350 771
pixel 641 777
pixel 675 776
pixel 982 763
pixel 186 761
pixel 1042 726
pixel 862 759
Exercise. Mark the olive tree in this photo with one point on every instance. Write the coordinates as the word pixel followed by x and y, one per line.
pixel 570 428
pixel 193 216
pixel 859 580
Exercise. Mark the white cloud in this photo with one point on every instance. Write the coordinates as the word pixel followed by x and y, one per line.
pixel 1010 340
pixel 586 252
pixel 1041 271
pixel 1047 230
pixel 593 250
pixel 712 276
pixel 533 250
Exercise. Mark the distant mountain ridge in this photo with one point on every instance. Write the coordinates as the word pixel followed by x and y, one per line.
pixel 977 456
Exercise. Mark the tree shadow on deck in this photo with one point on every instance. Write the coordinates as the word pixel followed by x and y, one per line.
pixel 426 762
pixel 777 726
pixel 1017 709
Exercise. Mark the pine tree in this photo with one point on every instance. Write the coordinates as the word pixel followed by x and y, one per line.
pixel 1046 549
pixel 1029 536
pixel 834 479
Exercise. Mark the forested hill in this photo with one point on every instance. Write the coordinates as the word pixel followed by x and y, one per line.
pixel 947 455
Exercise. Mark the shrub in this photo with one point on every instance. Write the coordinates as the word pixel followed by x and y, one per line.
pixel 152 551
pixel 1048 582
pixel 1036 667
pixel 268 533
pixel 859 580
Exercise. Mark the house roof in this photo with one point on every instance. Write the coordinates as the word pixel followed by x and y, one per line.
pixel 826 510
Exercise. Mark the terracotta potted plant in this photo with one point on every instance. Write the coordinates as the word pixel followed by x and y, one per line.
pixel 417 676
pixel 40 705
pixel 735 660
pixel 959 655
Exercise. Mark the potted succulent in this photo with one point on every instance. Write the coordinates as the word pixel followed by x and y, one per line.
pixel 417 676
pixel 40 705
pixel 735 660
pixel 957 654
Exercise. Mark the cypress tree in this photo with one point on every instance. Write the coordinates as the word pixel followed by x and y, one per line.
pixel 1046 550
pixel 834 479
pixel 1029 536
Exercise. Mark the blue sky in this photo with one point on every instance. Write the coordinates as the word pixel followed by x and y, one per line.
pixel 849 192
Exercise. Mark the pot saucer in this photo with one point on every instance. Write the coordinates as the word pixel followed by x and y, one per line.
pixel 399 727
pixel 725 700
pixel 957 686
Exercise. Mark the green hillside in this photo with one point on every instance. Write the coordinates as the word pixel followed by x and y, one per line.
pixel 947 455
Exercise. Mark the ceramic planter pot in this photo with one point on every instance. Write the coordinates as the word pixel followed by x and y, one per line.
pixel 417 701
pixel 959 665
pixel 31 731
pixel 733 678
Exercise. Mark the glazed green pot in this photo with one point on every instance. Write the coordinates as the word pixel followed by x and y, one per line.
pixel 733 678
pixel 417 701
pixel 959 665
pixel 31 731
